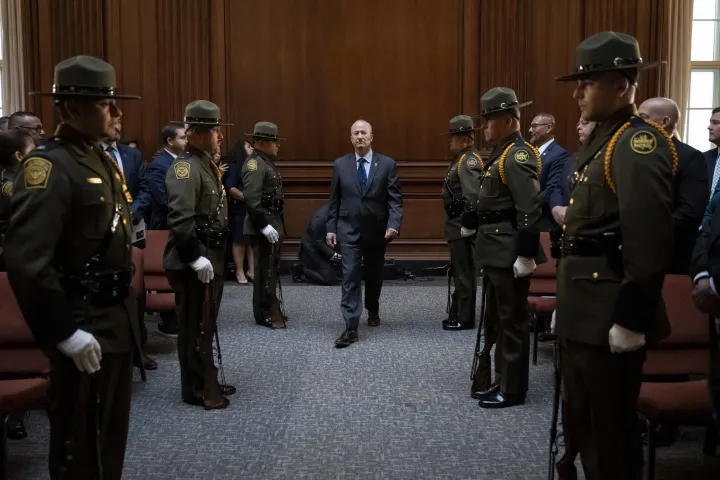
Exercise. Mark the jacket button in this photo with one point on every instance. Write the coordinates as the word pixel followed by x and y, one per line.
pixel 102 199
pixel 572 200
pixel 595 275
pixel 564 226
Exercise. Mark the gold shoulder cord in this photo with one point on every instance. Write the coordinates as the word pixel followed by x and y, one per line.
pixel 616 137
pixel 219 175
pixel 460 163
pixel 128 197
pixel 501 163
pixel 537 156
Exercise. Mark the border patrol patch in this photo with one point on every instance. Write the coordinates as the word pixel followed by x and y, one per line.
pixel 472 162
pixel 7 189
pixel 182 170
pixel 522 156
pixel 643 142
pixel 252 165
pixel 37 172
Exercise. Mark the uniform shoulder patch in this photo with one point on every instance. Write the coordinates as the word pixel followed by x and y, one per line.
pixel 36 172
pixel 472 162
pixel 7 189
pixel 522 156
pixel 643 142
pixel 252 164
pixel 182 170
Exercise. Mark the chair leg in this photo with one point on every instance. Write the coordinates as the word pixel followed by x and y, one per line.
pixel 3 448
pixel 711 441
pixel 536 333
pixel 651 449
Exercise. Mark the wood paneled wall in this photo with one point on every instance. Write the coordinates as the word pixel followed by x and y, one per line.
pixel 315 66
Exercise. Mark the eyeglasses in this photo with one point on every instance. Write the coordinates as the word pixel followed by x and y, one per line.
pixel 536 125
pixel 36 128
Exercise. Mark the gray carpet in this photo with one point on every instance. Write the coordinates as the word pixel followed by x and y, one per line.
pixel 395 405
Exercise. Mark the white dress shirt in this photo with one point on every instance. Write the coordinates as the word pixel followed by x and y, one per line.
pixel 114 153
pixel 545 145
pixel 171 153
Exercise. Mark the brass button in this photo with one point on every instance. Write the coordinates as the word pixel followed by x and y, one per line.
pixel 564 226
pixel 595 275
pixel 497 230
pixel 585 179
pixel 124 222
pixel 572 200
pixel 102 199
pixel 619 247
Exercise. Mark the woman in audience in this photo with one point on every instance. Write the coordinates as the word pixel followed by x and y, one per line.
pixel 233 185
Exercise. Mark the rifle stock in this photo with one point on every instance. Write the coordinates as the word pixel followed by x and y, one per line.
pixel 211 389
pixel 481 374
pixel 276 314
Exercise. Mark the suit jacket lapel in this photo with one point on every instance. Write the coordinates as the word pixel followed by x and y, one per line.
pixel 352 165
pixel 373 170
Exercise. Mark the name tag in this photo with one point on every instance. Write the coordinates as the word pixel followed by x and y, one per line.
pixel 95 180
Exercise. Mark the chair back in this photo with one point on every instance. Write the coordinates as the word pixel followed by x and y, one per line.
pixel 155 242
pixel 14 331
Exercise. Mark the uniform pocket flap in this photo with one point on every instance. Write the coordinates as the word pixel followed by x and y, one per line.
pixel 93 195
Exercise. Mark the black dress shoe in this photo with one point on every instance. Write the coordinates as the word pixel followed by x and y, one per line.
pixel 490 391
pixel 455 324
pixel 373 319
pixel 265 322
pixel 449 320
pixel 227 390
pixel 502 400
pixel 16 431
pixel 347 338
pixel 148 362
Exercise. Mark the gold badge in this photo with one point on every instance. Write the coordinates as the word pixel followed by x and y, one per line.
pixel 252 165
pixel 472 162
pixel 95 180
pixel 37 172
pixel 643 142
pixel 7 189
pixel 182 170
pixel 522 156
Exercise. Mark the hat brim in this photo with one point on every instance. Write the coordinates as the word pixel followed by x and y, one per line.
pixel 464 132
pixel 259 135
pixel 586 73
pixel 86 95
pixel 209 124
pixel 513 107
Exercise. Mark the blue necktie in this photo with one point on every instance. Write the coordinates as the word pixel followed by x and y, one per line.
pixel 362 176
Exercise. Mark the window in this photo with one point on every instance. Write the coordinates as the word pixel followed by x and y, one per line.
pixel 705 75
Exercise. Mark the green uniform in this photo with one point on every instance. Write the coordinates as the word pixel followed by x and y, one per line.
pixel 509 212
pixel 70 205
pixel 616 244
pixel 197 220
pixel 6 191
pixel 263 191
pixel 460 194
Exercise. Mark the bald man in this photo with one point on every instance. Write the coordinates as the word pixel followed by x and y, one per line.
pixel 553 157
pixel 690 185
pixel 364 214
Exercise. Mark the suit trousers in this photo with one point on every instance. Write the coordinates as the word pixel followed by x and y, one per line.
pixel 264 294
pixel 507 314
pixel 92 412
pixel 189 303
pixel 361 260
pixel 601 392
pixel 463 267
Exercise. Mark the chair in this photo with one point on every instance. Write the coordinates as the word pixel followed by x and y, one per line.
pixel 160 296
pixel 544 280
pixel 17 395
pixel 684 353
pixel 540 307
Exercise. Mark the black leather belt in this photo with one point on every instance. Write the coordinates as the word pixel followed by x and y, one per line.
pixel 104 288
pixel 592 246
pixel 488 218
pixel 212 238
pixel 274 206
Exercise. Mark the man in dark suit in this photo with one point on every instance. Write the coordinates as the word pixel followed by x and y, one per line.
pixel 712 155
pixel 315 254
pixel 172 144
pixel 554 158
pixel 690 183
pixel 364 215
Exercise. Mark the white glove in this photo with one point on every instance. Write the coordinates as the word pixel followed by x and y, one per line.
pixel 552 322
pixel 465 232
pixel 623 340
pixel 337 256
pixel 84 350
pixel 204 269
pixel 271 234
pixel 524 266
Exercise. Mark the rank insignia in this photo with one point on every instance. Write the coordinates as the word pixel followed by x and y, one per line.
pixel 37 172
pixel 7 189
pixel 182 170
pixel 252 165
pixel 522 156
pixel 643 142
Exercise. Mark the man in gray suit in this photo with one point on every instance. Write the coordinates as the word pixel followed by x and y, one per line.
pixel 364 214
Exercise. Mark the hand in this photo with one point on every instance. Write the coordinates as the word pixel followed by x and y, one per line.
pixel 704 298
pixel 390 233
pixel 558 214
pixel 524 266
pixel 337 256
pixel 623 340
pixel 84 350
pixel 204 269
pixel 223 167
pixel 331 239
pixel 270 233
pixel 552 322
pixel 466 232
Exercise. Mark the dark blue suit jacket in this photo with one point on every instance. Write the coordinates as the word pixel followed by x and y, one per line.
pixel 156 183
pixel 357 216
pixel 554 159
pixel 134 171
pixel 711 157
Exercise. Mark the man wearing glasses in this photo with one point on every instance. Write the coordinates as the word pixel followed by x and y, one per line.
pixel 28 122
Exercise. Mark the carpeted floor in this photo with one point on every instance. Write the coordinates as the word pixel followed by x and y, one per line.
pixel 395 405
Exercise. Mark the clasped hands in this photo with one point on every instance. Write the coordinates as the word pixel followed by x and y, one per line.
pixel 620 339
pixel 705 299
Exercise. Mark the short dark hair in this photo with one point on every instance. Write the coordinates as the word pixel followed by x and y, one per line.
pixel 14 119
pixel 169 131
pixel 716 110
pixel 237 154
pixel 12 141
